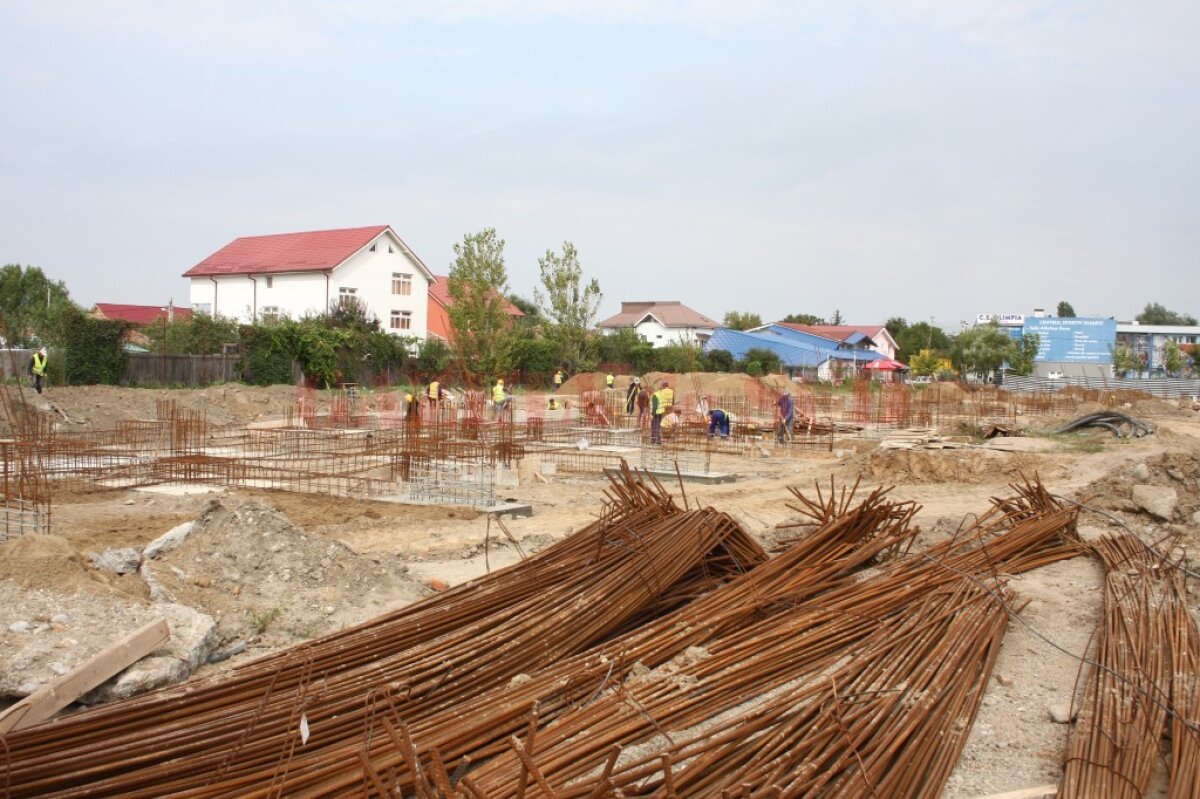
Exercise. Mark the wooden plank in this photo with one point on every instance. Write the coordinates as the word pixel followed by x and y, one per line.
pixel 1026 793
pixel 54 696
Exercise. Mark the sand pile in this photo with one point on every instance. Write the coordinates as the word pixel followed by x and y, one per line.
pixel 49 562
pixel 257 574
pixel 955 466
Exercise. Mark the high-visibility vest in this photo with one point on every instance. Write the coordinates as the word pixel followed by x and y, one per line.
pixel 608 381
pixel 39 364
pixel 498 392
pixel 665 398
pixel 558 376
pixel 435 390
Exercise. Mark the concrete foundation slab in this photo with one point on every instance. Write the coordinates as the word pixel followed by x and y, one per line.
pixel 664 476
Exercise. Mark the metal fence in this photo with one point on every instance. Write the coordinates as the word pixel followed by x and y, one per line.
pixel 1157 386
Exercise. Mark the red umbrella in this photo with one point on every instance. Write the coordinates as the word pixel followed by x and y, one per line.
pixel 885 365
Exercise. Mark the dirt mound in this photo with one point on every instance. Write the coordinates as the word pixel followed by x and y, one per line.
pixel 955 466
pixel 257 574
pixel 48 562
pixel 1179 471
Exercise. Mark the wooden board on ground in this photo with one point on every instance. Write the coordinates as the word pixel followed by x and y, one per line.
pixel 57 694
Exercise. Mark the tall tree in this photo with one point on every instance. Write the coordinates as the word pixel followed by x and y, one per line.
pixel 1065 310
pixel 1173 358
pixel 570 307
pixel 1155 314
pixel 483 330
pixel 896 326
pixel 742 320
pixel 837 318
pixel 30 303
pixel 983 349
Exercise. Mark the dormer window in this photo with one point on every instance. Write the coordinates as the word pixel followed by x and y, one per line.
pixel 390 250
pixel 372 248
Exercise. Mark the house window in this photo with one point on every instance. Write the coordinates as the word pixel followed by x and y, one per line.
pixel 372 248
pixel 401 320
pixel 347 297
pixel 270 314
pixel 390 248
pixel 270 281
pixel 401 283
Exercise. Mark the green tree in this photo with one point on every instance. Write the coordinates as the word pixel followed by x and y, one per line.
pixel 31 306
pixel 626 346
pixel 1155 314
pixel 803 319
pixel 1173 358
pixel 717 361
pixel 94 349
pixel 677 358
pixel 837 318
pixel 570 307
pixel 896 327
pixel 1065 310
pixel 483 330
pixel 925 362
pixel 1126 360
pixel 199 334
pixel 533 314
pixel 766 359
pixel 433 356
pixel 738 320
pixel 920 336
pixel 1024 353
pixel 982 349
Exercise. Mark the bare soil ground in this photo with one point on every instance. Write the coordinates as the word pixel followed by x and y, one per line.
pixel 361 557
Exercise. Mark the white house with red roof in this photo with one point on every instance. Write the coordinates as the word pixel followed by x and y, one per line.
pixel 662 323
pixel 257 278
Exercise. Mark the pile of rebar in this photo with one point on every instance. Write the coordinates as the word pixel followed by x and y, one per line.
pixel 1144 684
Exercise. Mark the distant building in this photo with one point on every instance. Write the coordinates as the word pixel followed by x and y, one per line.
pixel 1068 346
pixel 1148 341
pixel 875 338
pixel 258 278
pixel 439 304
pixel 140 316
pixel 800 353
pixel 662 323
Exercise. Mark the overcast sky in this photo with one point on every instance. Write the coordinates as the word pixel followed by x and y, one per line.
pixel 921 158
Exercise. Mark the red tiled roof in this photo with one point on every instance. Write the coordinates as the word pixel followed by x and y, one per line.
pixel 439 291
pixel 671 314
pixel 314 251
pixel 138 314
pixel 836 332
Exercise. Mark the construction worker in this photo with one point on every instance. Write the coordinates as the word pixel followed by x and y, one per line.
pixel 660 404
pixel 412 410
pixel 434 395
pixel 500 397
pixel 609 380
pixel 37 368
pixel 558 379
pixel 785 415
pixel 719 419
pixel 631 395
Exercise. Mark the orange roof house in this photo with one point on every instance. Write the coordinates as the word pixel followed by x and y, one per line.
pixel 440 300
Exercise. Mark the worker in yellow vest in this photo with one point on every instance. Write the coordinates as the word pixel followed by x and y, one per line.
pixel 434 395
pixel 38 369
pixel 500 398
pixel 661 403
pixel 558 379
pixel 609 380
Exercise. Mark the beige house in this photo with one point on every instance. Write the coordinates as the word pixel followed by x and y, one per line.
pixel 662 323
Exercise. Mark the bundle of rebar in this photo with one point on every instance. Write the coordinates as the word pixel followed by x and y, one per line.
pixel 657 653
pixel 1147 655
pixel 642 555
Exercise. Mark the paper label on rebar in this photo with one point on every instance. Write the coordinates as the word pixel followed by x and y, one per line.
pixel 303 729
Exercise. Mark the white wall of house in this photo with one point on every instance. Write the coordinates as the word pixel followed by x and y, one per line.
pixel 297 294
pixel 370 274
pixel 659 335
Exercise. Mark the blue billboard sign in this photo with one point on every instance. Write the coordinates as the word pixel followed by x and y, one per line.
pixel 1073 339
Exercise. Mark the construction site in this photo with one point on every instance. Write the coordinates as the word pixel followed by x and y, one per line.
pixel 947 590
